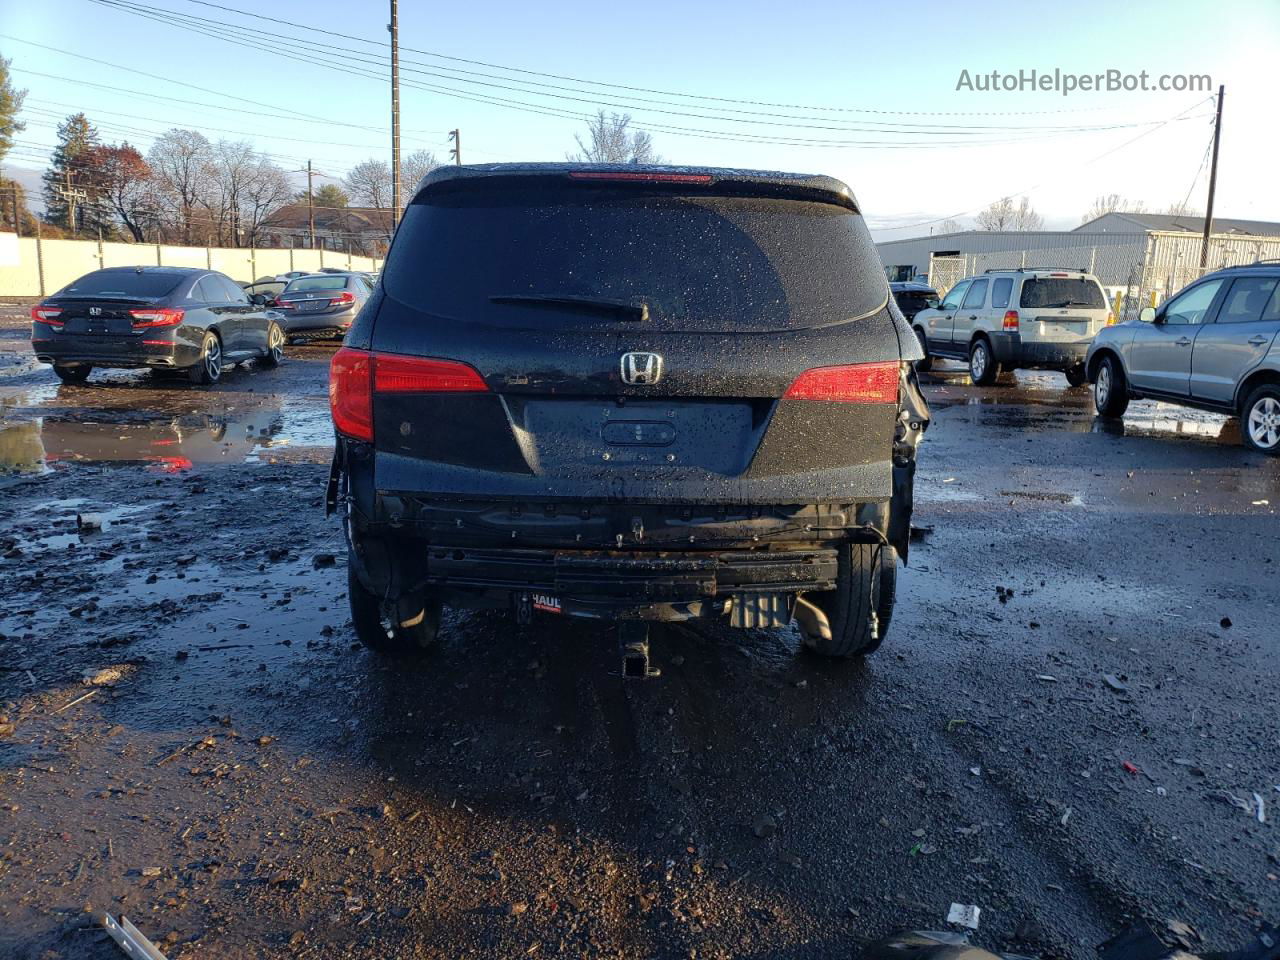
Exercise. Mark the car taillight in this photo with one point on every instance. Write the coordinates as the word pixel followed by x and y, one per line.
pixel 285 305
pixel 356 375
pixel 351 393
pixel 1011 319
pixel 47 315
pixel 855 383
pixel 343 300
pixel 157 317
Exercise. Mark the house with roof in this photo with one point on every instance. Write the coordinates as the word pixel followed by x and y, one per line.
pixel 366 231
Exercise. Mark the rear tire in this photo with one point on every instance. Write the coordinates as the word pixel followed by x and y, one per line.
pixel 72 372
pixel 866 583
pixel 1110 391
pixel 209 367
pixel 382 636
pixel 925 365
pixel 1076 376
pixel 983 368
pixel 275 347
pixel 1260 419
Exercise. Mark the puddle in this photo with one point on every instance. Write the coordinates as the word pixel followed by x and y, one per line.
pixel 166 444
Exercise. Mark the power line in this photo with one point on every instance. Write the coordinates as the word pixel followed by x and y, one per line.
pixel 233 33
pixel 619 86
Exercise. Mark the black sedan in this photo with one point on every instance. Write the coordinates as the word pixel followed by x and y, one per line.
pixel 163 318
pixel 322 304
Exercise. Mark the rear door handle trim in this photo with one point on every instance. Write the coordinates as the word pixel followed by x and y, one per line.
pixel 1258 341
pixel 1183 341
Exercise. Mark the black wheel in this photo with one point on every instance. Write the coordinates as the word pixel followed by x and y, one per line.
pixel 925 365
pixel 1260 419
pixel 72 372
pixel 1076 376
pixel 209 367
pixel 859 609
pixel 1110 391
pixel 379 633
pixel 275 346
pixel 983 369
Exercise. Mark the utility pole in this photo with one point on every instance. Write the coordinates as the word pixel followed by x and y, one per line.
pixel 395 112
pixel 72 195
pixel 1213 183
pixel 17 217
pixel 456 152
pixel 311 208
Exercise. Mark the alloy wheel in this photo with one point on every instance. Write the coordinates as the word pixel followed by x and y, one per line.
pixel 978 362
pixel 275 345
pixel 1264 422
pixel 1102 387
pixel 213 359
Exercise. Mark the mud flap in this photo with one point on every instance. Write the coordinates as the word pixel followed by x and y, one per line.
pixel 331 487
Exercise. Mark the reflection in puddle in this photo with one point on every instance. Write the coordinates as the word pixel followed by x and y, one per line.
pixel 165 445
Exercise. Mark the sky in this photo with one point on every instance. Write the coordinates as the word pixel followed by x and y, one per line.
pixel 876 84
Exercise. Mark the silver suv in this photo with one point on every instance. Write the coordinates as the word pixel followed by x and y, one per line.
pixel 1212 346
pixel 1041 317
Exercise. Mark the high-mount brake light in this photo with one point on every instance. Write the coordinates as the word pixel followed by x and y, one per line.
pixel 156 317
pixel 356 375
pixel 641 177
pixel 854 383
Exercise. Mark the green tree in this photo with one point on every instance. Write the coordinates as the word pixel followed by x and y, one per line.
pixel 331 195
pixel 72 196
pixel 10 105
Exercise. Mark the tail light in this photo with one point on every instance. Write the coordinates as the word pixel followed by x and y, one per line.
pixel 284 304
pixel 356 375
pixel 343 300
pixel 855 383
pixel 1011 319
pixel 157 317
pixel 47 315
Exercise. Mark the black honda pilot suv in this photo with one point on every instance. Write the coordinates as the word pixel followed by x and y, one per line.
pixel 630 393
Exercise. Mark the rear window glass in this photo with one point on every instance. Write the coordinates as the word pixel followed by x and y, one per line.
pixel 303 284
pixel 1062 292
pixel 123 283
pixel 915 302
pixel 557 257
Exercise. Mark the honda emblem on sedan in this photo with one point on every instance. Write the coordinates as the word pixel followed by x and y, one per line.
pixel 641 369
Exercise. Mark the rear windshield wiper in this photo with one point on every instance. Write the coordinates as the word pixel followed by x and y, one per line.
pixel 620 309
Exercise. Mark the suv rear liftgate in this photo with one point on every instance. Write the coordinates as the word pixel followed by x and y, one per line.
pixel 510 436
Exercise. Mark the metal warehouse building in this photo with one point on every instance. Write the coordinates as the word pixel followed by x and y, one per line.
pixel 1136 255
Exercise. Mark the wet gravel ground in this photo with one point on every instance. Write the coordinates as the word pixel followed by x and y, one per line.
pixel 1071 724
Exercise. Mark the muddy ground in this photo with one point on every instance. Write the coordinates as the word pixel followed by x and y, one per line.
pixel 1071 724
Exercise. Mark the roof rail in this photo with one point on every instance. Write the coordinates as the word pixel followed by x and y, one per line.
pixel 1246 266
pixel 1033 269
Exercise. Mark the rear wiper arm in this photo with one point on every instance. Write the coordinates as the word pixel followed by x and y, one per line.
pixel 621 309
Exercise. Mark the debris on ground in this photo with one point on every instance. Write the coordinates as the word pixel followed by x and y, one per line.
pixel 1130 768
pixel 1115 683
pixel 129 938
pixel 1224 623
pixel 764 826
pixel 964 915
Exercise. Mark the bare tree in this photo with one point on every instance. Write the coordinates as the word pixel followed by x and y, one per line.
pixel 369 183
pixel 413 168
pixel 1112 203
pixel 266 190
pixel 950 226
pixel 1005 215
pixel 180 164
pixel 126 185
pixel 613 141
pixel 1183 208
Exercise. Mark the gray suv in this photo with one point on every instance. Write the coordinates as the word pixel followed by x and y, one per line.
pixel 1212 346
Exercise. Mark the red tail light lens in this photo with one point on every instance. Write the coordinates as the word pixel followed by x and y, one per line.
pixel 351 393
pixel 396 374
pixel 47 315
pixel 855 383
pixel 356 375
pixel 1011 320
pixel 156 317
pixel 343 300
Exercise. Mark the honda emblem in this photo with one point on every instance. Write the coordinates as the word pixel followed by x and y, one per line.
pixel 641 369
pixel 95 311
